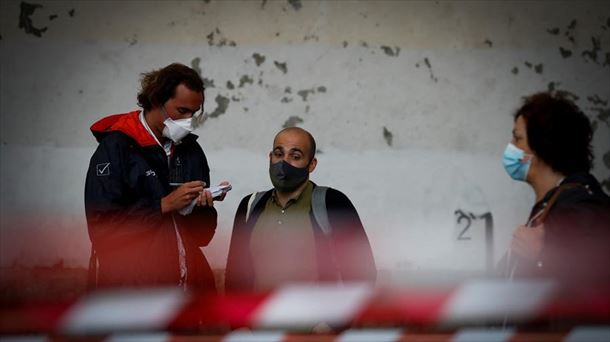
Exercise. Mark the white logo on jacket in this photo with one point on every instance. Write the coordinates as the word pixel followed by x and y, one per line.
pixel 102 169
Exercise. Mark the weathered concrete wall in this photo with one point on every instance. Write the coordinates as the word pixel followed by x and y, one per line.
pixel 410 103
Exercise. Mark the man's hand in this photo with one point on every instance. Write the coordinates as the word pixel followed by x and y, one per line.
pixel 528 242
pixel 182 196
pixel 205 198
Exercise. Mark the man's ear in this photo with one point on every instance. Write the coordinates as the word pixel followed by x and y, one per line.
pixel 312 165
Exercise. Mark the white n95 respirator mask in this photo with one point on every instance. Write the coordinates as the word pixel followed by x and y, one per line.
pixel 176 130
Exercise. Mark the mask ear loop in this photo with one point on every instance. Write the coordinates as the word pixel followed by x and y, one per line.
pixel 165 115
pixel 200 117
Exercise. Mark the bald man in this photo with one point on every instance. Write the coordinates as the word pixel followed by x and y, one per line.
pixel 296 231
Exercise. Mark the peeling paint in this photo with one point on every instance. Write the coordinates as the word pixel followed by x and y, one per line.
pixel 222 41
pixel 304 93
pixel 572 25
pixel 230 85
pixel 222 103
pixel 391 52
pixel 596 100
pixel 296 4
pixel 258 58
pixel 565 53
pixel 244 80
pixel 282 66
pixel 388 136
pixel 25 20
pixel 567 94
pixel 195 65
pixel 554 31
pixel 603 115
pixel 292 122
pixel 133 41
pixel 429 65
pixel 592 54
pixel 570 32
pixel 311 37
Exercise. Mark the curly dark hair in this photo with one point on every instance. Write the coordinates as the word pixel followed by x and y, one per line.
pixel 558 132
pixel 159 85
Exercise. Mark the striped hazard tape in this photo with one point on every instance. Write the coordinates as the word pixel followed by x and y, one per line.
pixel 319 309
pixel 577 334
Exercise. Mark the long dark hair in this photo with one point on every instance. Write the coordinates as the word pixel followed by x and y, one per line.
pixel 159 85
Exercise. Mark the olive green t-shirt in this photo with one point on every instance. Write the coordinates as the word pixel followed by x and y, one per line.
pixel 282 243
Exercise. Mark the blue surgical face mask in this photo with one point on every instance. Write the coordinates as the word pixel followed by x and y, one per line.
pixel 514 164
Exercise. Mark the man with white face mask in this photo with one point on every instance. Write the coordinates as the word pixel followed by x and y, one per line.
pixel 143 178
pixel 567 235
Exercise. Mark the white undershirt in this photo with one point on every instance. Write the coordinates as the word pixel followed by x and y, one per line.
pixel 167 147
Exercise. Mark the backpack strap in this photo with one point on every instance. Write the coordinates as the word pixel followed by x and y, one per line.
pixel 318 206
pixel 252 202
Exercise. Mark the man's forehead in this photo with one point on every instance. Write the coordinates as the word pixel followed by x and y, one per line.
pixel 291 139
pixel 186 96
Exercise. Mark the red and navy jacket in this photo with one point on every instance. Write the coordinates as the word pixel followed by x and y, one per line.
pixel 135 244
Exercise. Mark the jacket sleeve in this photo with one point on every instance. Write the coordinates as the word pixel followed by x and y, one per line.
pixel 352 250
pixel 199 225
pixel 116 214
pixel 238 273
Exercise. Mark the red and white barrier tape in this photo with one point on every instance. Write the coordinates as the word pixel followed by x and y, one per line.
pixel 304 308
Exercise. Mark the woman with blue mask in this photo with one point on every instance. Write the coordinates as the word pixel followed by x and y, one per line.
pixel 567 235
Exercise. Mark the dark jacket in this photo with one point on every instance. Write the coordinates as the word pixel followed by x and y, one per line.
pixel 577 235
pixel 135 243
pixel 345 255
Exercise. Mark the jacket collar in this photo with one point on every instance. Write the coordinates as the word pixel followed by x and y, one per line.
pixel 130 125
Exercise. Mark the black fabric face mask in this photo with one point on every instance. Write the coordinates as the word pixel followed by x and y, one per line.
pixel 285 177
